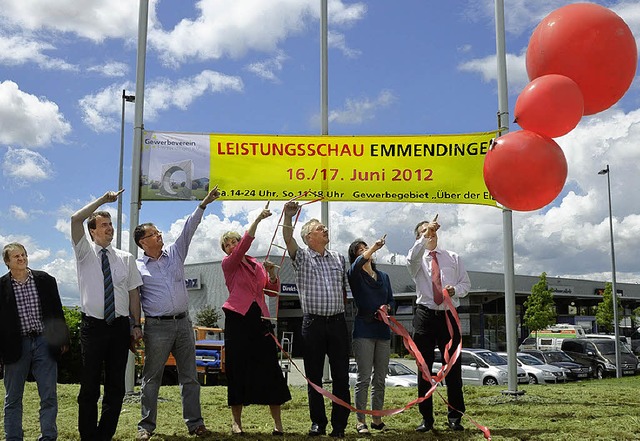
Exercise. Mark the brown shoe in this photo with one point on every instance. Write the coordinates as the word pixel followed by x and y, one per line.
pixel 200 431
pixel 143 435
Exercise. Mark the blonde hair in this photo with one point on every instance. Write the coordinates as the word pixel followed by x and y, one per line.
pixel 229 235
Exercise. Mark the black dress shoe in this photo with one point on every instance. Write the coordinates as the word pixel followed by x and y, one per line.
pixel 335 433
pixel 455 425
pixel 276 432
pixel 424 427
pixel 317 430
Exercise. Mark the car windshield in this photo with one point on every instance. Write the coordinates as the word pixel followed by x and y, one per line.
pixel 609 347
pixel 552 356
pixel 529 360
pixel 400 369
pixel 491 358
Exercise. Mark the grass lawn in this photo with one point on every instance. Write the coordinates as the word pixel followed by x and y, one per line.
pixel 598 409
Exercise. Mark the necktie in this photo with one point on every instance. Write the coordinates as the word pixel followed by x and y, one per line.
pixel 435 279
pixel 109 303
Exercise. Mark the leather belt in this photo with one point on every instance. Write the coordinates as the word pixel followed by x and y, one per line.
pixel 168 317
pixel 434 312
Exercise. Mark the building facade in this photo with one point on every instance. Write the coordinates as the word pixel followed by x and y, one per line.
pixel 482 312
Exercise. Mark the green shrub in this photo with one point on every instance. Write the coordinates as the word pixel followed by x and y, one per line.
pixel 208 317
pixel 70 364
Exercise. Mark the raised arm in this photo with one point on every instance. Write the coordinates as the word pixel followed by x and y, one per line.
pixel 210 197
pixel 78 218
pixel 290 210
pixel 373 248
pixel 265 213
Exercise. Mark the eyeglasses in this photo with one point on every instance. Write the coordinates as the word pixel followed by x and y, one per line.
pixel 157 233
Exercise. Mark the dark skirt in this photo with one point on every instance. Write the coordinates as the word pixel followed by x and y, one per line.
pixel 253 373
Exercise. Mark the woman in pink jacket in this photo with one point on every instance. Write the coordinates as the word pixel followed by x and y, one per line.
pixel 254 375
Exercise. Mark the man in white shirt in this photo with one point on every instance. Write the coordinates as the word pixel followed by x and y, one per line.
pixel 434 269
pixel 105 335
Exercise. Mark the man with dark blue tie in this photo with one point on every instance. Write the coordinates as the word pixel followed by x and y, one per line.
pixel 108 280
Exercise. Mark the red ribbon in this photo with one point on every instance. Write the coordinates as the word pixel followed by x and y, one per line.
pixel 434 380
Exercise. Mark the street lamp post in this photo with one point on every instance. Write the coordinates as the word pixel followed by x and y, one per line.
pixel 614 291
pixel 130 99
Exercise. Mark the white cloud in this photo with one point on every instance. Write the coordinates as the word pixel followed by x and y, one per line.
pixel 17 50
pixel 516 70
pixel 268 69
pixel 111 69
pixel 338 41
pixel 95 20
pixel 18 212
pixel 232 28
pixel 356 111
pixel 102 110
pixel 23 166
pixel 27 120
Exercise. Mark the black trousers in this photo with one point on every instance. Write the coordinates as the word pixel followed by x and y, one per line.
pixel 105 346
pixel 327 336
pixel 430 330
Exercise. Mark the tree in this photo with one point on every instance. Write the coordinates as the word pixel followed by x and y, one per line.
pixel 208 317
pixel 540 310
pixel 604 314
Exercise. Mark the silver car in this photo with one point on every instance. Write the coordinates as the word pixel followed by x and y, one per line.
pixel 482 367
pixel 399 375
pixel 538 371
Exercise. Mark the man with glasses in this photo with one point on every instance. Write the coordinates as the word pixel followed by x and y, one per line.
pixel 322 284
pixel 108 280
pixel 167 326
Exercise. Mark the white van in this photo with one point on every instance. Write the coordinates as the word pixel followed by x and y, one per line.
pixel 551 338
pixel 624 340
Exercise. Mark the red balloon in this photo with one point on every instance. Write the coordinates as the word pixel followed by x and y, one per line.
pixel 551 105
pixel 524 170
pixel 591 45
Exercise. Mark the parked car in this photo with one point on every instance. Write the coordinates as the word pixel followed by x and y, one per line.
pixel 482 367
pixel 558 358
pixel 624 340
pixel 601 353
pixel 538 371
pixel 399 375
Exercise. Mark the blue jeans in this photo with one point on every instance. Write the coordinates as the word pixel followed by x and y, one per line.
pixel 371 355
pixel 37 359
pixel 160 338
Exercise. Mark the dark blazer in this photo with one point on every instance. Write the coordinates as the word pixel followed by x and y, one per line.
pixel 55 328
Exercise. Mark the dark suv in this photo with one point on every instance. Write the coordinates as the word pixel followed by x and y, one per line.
pixel 601 354
pixel 577 371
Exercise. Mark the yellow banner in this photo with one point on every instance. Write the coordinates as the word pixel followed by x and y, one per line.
pixel 415 168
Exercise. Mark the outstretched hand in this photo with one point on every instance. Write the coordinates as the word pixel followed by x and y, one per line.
pixel 211 196
pixel 291 208
pixel 112 196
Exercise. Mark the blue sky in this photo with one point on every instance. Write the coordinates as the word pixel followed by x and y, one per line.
pixel 252 66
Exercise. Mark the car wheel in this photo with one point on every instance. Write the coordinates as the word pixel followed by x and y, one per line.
pixel 599 372
pixel 490 381
pixel 533 379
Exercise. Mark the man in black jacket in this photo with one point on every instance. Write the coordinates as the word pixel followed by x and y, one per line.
pixel 33 335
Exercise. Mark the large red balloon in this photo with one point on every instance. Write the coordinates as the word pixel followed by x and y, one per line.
pixel 591 45
pixel 524 170
pixel 551 105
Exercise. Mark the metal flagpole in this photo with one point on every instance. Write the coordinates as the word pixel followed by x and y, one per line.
pixel 507 221
pixel 138 124
pixel 143 17
pixel 324 111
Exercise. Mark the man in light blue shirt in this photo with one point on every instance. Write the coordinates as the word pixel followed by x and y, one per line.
pixel 168 327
